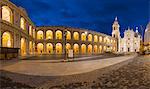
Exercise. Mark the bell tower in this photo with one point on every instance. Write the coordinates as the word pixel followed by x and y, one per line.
pixel 115 29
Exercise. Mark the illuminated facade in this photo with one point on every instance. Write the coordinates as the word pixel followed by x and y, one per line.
pixel 131 40
pixel 18 31
pixel 147 37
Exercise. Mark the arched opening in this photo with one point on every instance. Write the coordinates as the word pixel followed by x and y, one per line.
pixel 7 14
pixel 76 49
pixel 100 39
pixel 100 49
pixel 90 37
pixel 95 49
pixel 40 48
pixel 83 37
pixel 76 36
pixel 23 46
pixel 40 34
pixel 49 34
pixel 68 36
pixel 7 40
pixel 89 49
pixel 83 49
pixel 95 38
pixel 58 48
pixel 58 34
pixel 49 48
pixel 22 23
pixel 30 30
pixel 30 47
pixel 68 47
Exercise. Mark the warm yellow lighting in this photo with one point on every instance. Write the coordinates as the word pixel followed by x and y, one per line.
pixel 68 36
pixel 40 48
pixel 58 35
pixel 40 34
pixel 6 40
pixel 83 37
pixel 83 49
pixel 100 39
pixel 76 36
pixel 76 48
pixel 49 48
pixel 22 23
pixel 90 37
pixel 68 47
pixel 95 38
pixel 23 46
pixel 49 34
pixel 30 30
pixel 58 48
pixel 6 14
pixel 89 49
pixel 95 49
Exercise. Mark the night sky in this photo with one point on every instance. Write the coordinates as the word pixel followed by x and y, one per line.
pixel 97 15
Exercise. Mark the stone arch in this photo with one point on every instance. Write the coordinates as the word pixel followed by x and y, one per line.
pixel 7 14
pixel 49 34
pixel 83 37
pixel 40 34
pixel 49 48
pixel 58 34
pixel 22 23
pixel 23 46
pixel 40 48
pixel 68 36
pixel 95 49
pixel 7 40
pixel 90 37
pixel 76 48
pixel 95 38
pixel 83 49
pixel 76 36
pixel 89 49
pixel 68 47
pixel 58 48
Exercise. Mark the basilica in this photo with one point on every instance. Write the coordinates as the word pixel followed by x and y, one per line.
pixel 131 40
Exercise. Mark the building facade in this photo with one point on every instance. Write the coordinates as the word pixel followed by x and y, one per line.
pixel 18 31
pixel 131 40
pixel 147 37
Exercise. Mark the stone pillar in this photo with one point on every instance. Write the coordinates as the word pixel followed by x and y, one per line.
pixel 44 44
pixel 27 46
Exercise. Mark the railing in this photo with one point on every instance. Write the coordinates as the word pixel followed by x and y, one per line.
pixel 8 53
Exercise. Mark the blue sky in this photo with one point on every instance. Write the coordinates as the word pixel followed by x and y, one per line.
pixel 97 15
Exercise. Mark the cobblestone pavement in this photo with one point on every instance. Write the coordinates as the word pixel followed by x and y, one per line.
pixel 134 75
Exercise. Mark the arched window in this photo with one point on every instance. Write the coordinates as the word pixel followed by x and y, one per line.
pixel 7 14
pixel 49 34
pixel 68 36
pixel 58 34
pixel 83 49
pixel 95 38
pixel 83 37
pixel 7 40
pixel 76 49
pixel 40 48
pixel 40 34
pixel 68 47
pixel 49 48
pixel 90 37
pixel 76 36
pixel 22 23
pixel 100 49
pixel 58 48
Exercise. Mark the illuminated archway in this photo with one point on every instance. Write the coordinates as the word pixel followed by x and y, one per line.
pixel 95 49
pixel 49 48
pixel 100 39
pixel 83 49
pixel 76 49
pixel 90 37
pixel 95 38
pixel 68 36
pixel 68 47
pixel 7 40
pixel 23 46
pixel 100 49
pixel 83 37
pixel 104 48
pixel 58 34
pixel 30 30
pixel 76 36
pixel 7 14
pixel 22 23
pixel 58 48
pixel 40 48
pixel 49 34
pixel 89 49
pixel 30 47
pixel 40 34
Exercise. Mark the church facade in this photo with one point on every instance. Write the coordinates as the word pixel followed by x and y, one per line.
pixel 131 40
pixel 18 31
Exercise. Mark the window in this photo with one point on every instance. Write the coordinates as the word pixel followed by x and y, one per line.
pixel 22 23
pixel 7 14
